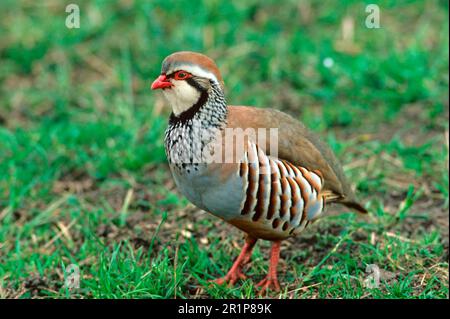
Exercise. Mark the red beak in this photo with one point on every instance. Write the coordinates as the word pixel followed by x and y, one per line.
pixel 161 82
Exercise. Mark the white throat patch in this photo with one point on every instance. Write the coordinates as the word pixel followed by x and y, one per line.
pixel 181 96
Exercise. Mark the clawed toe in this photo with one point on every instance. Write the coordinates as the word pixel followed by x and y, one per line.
pixel 231 278
pixel 268 283
pixel 235 272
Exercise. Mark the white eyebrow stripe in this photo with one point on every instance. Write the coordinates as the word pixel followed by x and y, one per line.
pixel 195 70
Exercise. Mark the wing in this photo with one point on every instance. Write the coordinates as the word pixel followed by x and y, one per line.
pixel 299 146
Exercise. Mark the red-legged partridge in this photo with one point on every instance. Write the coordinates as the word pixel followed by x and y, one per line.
pixel 271 188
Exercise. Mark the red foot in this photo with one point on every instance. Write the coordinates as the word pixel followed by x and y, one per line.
pixel 268 283
pixel 235 272
pixel 271 280
pixel 231 278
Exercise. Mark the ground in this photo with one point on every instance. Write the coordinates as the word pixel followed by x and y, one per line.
pixel 83 174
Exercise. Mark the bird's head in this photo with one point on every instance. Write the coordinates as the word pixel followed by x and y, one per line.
pixel 187 79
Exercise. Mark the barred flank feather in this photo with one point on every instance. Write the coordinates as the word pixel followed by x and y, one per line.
pixel 277 192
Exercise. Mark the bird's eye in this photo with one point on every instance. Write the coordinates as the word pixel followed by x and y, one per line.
pixel 181 75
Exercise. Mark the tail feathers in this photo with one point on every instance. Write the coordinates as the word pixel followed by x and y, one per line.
pixel 331 197
pixel 354 206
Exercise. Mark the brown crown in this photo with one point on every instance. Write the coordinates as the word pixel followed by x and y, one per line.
pixel 188 57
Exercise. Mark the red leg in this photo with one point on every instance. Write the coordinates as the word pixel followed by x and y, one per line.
pixel 235 272
pixel 271 279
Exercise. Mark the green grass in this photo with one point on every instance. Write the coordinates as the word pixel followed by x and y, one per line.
pixel 83 175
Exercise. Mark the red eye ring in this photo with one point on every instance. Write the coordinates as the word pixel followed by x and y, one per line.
pixel 182 75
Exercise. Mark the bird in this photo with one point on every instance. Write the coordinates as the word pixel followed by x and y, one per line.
pixel 269 193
